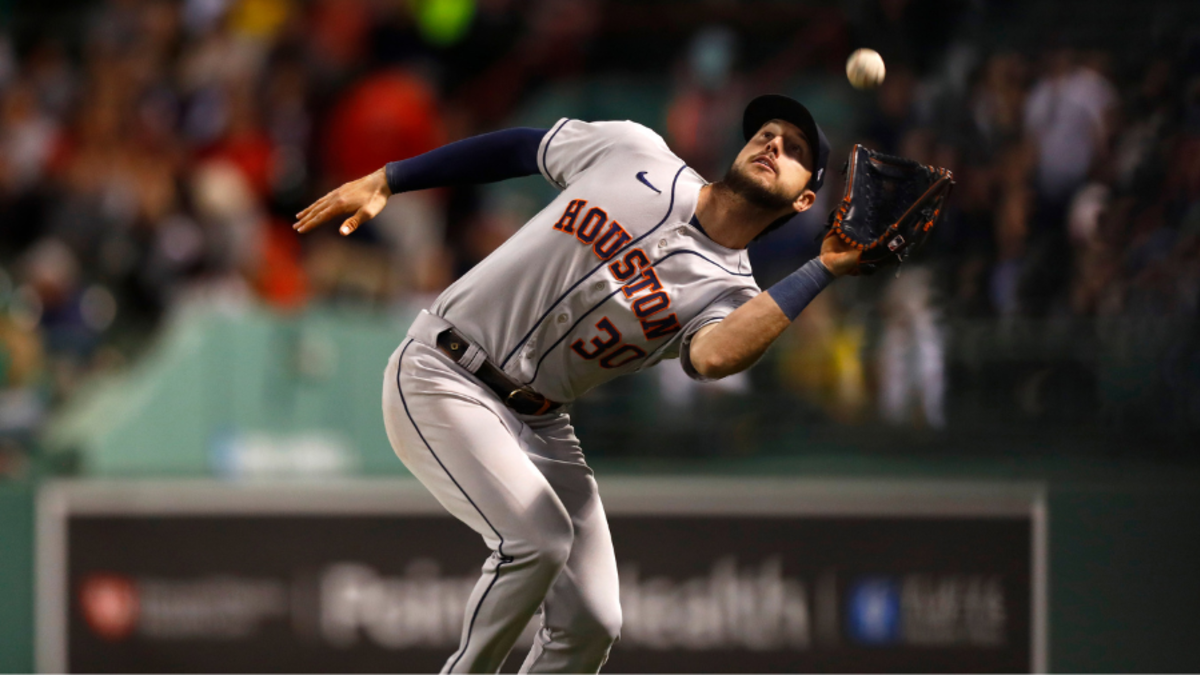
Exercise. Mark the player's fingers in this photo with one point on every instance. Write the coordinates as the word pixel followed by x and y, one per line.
pixel 306 210
pixel 304 219
pixel 308 222
pixel 315 218
pixel 302 223
pixel 304 226
pixel 330 199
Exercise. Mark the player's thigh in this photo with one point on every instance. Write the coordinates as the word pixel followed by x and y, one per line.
pixel 554 448
pixel 449 434
pixel 587 590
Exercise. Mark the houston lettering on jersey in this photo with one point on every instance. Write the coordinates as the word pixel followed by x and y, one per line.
pixel 606 237
pixel 604 245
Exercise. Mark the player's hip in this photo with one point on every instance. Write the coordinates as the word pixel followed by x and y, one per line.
pixel 422 387
pixel 417 371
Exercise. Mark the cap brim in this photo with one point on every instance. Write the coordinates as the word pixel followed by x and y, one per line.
pixel 778 107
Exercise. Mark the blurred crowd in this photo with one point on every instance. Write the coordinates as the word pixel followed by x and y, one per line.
pixel 1077 204
pixel 154 152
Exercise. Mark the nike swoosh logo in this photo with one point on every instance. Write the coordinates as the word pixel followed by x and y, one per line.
pixel 642 177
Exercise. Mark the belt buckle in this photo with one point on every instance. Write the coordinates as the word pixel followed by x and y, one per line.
pixel 523 401
pixel 516 403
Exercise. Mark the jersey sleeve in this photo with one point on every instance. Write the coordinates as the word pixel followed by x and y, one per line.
pixel 718 310
pixel 572 147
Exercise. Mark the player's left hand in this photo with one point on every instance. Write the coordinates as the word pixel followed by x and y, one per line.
pixel 364 198
pixel 840 257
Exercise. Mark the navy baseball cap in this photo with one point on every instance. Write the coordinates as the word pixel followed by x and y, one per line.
pixel 778 107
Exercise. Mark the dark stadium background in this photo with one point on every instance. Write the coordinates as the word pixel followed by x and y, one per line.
pixel 159 319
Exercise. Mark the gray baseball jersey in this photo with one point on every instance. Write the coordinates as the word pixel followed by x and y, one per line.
pixel 610 277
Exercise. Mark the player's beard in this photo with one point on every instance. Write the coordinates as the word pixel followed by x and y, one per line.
pixel 739 182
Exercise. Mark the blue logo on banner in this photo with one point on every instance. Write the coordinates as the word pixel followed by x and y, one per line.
pixel 873 611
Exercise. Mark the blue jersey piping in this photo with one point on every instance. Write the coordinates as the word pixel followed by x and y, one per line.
pixel 578 321
pixel 550 308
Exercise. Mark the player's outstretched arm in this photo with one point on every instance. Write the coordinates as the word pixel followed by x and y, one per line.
pixel 737 342
pixel 486 158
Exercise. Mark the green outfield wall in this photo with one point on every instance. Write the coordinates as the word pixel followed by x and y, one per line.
pixel 16 576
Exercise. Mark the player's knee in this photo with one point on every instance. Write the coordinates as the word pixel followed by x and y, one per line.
pixel 596 629
pixel 603 625
pixel 554 539
pixel 555 548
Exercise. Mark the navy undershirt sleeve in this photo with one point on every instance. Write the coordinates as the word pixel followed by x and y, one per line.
pixel 796 290
pixel 487 158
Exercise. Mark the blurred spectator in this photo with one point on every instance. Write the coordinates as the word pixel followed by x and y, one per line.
pixel 708 102
pixel 997 103
pixel 1068 117
pixel 385 117
pixel 22 369
pixel 821 359
pixel 390 116
pixel 912 352
pixel 29 139
pixel 555 45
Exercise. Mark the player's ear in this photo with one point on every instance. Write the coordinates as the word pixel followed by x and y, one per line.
pixel 805 201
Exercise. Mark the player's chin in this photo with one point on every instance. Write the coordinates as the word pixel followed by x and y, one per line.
pixel 763 176
pixel 758 184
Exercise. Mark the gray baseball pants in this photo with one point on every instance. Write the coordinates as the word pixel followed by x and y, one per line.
pixel 522 484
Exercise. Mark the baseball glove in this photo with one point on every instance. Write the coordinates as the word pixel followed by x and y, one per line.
pixel 890 207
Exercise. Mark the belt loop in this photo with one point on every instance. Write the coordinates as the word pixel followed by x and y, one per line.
pixel 472 358
pixel 426 327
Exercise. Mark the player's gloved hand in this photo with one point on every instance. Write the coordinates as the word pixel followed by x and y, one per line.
pixel 839 257
pixel 364 198
pixel 890 207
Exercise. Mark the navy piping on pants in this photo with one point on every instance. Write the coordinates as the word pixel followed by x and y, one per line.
pixel 499 549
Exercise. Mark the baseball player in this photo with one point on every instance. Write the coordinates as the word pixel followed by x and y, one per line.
pixel 639 259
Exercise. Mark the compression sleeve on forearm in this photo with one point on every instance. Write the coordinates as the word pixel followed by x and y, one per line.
pixel 487 158
pixel 795 291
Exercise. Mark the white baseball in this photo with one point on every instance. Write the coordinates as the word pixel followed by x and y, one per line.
pixel 865 69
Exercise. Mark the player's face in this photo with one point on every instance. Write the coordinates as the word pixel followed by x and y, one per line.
pixel 774 168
